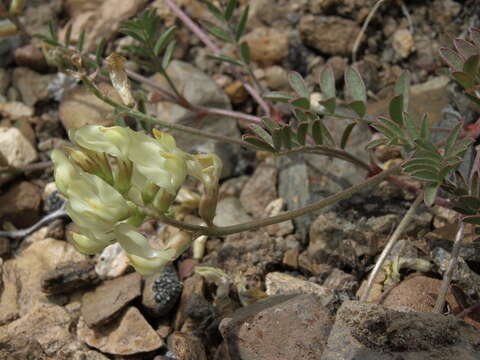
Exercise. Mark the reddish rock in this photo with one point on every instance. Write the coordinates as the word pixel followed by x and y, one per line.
pixel 21 204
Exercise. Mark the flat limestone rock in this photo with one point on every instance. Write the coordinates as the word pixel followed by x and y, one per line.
pixel 102 304
pixel 130 334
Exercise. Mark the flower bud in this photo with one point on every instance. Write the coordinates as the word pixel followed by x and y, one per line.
pixel 118 77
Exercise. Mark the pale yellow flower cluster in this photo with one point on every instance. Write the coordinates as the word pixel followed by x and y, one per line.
pixel 112 173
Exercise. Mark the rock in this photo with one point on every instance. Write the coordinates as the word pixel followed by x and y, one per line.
pixel 102 304
pixel 199 89
pixel 79 107
pixel 31 56
pixel 280 327
pixel 268 46
pixel 32 86
pixel 45 323
pixel 367 331
pixel 339 65
pixel 192 285
pixel 22 275
pixel 274 208
pixel 403 43
pixel 230 212
pixel 103 21
pixel 276 78
pixel 69 277
pixel 186 346
pixel 112 262
pixel 5 79
pixel 282 284
pixel 330 35
pixel 161 291
pixel 129 334
pixel 236 92
pixel 15 110
pixel 21 204
pixel 418 293
pixel 260 189
pixel 14 347
pixel 290 258
pixel 232 187
pixel 294 187
pixel 15 150
pixel 339 280
pixel 77 7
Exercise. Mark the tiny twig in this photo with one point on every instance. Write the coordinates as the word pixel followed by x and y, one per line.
pixel 18 234
pixel 358 40
pixel 447 276
pixel 391 242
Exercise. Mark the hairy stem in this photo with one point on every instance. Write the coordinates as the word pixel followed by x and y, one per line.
pixel 288 215
pixel 150 119
pixel 391 243
pixel 447 277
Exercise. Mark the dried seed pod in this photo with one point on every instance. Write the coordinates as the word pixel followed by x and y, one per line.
pixel 118 76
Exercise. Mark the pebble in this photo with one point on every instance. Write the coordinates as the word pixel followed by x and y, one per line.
pixel 267 45
pixel 403 43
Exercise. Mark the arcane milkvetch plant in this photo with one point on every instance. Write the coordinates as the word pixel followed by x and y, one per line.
pixel 113 173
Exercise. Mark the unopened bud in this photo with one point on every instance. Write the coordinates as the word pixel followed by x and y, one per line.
pixel 118 77
pixel 85 245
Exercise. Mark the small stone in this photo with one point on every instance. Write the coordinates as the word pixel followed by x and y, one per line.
pixel 33 87
pixel 69 277
pixel 15 110
pixel 403 43
pixel 281 327
pixel 79 107
pixel 339 65
pixel 283 284
pixel 186 346
pixel 15 150
pixel 193 285
pixel 31 56
pixel 290 258
pixel 21 204
pixel 330 35
pixel 260 189
pixel 112 262
pixel 129 334
pixel 276 78
pixel 340 280
pixel 236 92
pixel 161 291
pixel 102 304
pixel 230 212
pixel 267 45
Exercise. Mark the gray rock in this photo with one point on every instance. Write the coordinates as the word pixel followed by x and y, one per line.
pixel 281 327
pixel 69 277
pixel 102 304
pixel 368 331
pixel 260 190
pixel 201 90
pixel 293 186
pixel 32 86
pixel 230 212
pixel 161 291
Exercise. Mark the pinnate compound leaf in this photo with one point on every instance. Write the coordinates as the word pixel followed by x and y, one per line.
pixel 302 132
pixel 264 135
pixel 317 132
pixel 217 31
pixel 215 11
pixel 301 102
pixel 245 52
pixel 231 5
pixel 471 65
pixel 375 143
pixel 278 97
pixel 330 104
pixel 402 87
pixel 464 79
pixel 359 107
pixel 226 58
pixel 167 56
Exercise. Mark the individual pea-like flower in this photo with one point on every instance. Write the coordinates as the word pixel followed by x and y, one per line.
pixel 145 259
pixel 158 162
pixel 207 168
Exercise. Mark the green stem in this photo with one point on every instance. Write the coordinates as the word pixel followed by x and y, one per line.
pixel 150 119
pixel 288 215
pixel 329 151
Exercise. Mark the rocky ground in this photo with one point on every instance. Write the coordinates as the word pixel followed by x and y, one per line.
pixel 294 286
